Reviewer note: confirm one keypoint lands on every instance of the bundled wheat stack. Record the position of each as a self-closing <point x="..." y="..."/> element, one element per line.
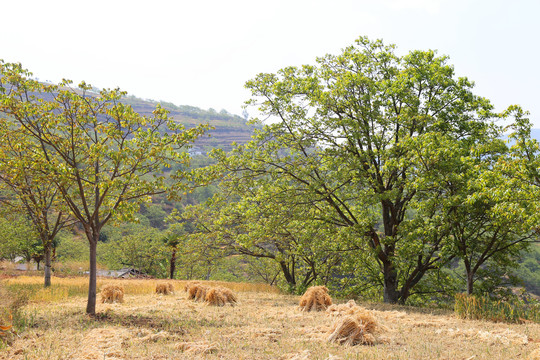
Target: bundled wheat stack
<point x="190" y="284"/>
<point x="111" y="293"/>
<point x="349" y="308"/>
<point x="315" y="298"/>
<point x="164" y="289"/>
<point x="197" y="292"/>
<point x="358" y="328"/>
<point x="220" y="296"/>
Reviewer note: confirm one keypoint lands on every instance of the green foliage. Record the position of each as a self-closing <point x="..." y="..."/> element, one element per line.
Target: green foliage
<point x="259" y="225"/>
<point x="29" y="192"/>
<point x="103" y="158"/>
<point x="155" y="215"/>
<point x="71" y="248"/>
<point x="369" y="144"/>
<point x="529" y="270"/>
<point x="18" y="238"/>
<point x="137" y="246"/>
<point x="513" y="310"/>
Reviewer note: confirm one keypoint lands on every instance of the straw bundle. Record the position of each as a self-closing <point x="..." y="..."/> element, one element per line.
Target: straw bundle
<point x="350" y="308"/>
<point x="220" y="296"/>
<point x="215" y="297"/>
<point x="111" y="293"/>
<point x="165" y="289"/>
<point x="315" y="298"/>
<point x="229" y="295"/>
<point x="197" y="292"/>
<point x="354" y="329"/>
<point x="190" y="284"/>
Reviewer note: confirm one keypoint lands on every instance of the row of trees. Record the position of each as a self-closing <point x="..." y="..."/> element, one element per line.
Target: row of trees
<point x="374" y="173"/>
<point x="379" y="170"/>
<point x="69" y="155"/>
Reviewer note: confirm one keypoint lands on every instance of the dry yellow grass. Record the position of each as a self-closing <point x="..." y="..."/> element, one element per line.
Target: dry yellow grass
<point x="64" y="287"/>
<point x="194" y="348"/>
<point x="262" y="326"/>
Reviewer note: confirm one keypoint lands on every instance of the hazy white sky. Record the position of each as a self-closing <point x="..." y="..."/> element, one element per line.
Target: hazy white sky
<point x="200" y="53"/>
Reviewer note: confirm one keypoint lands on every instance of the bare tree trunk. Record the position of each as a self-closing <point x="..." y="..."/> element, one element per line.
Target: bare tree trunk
<point x="470" y="282"/>
<point x="391" y="294"/>
<point x="92" y="285"/>
<point x="47" y="276"/>
<point x="173" y="264"/>
<point x="289" y="275"/>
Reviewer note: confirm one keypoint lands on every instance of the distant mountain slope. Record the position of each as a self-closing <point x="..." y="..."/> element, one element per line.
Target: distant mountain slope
<point x="228" y="128"/>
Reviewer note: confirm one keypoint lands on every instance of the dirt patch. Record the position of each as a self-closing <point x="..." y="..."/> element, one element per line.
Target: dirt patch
<point x="103" y="343"/>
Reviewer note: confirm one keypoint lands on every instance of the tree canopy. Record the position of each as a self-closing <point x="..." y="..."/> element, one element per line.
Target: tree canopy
<point x="370" y="141"/>
<point x="103" y="158"/>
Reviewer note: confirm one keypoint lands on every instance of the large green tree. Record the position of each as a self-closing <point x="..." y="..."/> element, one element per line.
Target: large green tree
<point x="104" y="158"/>
<point x="342" y="136"/>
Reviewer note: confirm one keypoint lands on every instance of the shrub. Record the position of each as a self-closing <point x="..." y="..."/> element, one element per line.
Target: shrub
<point x="512" y="310"/>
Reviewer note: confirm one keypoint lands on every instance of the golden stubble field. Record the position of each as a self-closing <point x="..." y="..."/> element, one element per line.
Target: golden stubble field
<point x="264" y="325"/>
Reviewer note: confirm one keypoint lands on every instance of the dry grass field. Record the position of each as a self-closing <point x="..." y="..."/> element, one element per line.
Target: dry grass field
<point x="263" y="325"/>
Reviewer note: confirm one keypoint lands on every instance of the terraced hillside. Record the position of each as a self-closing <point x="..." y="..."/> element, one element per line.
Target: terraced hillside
<point x="227" y="128"/>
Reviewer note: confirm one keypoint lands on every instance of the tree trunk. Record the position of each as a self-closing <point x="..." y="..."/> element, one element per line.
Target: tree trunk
<point x="391" y="294"/>
<point x="470" y="282"/>
<point x="390" y="215"/>
<point x="173" y="263"/>
<point x="289" y="277"/>
<point x="92" y="284"/>
<point x="47" y="276"/>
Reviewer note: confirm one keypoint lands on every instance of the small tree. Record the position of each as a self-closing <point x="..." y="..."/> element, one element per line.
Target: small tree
<point x="30" y="194"/>
<point x="172" y="240"/>
<point x="103" y="158"/>
<point x="467" y="192"/>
